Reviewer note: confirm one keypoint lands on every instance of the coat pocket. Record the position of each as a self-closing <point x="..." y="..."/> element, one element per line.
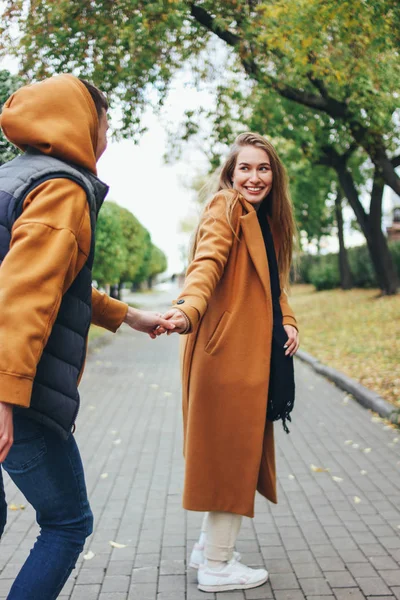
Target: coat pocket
<point x="217" y="337"/>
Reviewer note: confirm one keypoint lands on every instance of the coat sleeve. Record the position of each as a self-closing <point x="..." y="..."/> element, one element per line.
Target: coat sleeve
<point x="287" y="312"/>
<point x="41" y="264"/>
<point x="106" y="311"/>
<point x="214" y="242"/>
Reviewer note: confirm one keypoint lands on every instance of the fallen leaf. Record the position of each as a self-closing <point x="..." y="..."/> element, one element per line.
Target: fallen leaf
<point x="291" y="476"/>
<point x="117" y="442"/>
<point x="367" y="450"/>
<point x="318" y="469"/>
<point x="13" y="507"/>
<point x="117" y="545"/>
<point x="395" y="440"/>
<point x="338" y="479"/>
<point x="363" y="472"/>
<point x="155" y="386"/>
<point x="355" y="445"/>
<point x="113" y="431"/>
<point x="357" y="500"/>
<point x="348" y="442"/>
<point x="167" y="394"/>
<point x="104" y="476"/>
<point x="91" y="407"/>
<point x="89" y="555"/>
<point x="140" y="375"/>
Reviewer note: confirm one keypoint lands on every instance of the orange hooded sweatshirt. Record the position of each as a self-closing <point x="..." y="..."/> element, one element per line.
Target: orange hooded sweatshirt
<point x="50" y="241"/>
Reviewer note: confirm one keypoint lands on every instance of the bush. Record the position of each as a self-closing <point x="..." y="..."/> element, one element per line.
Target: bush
<point x="395" y="250"/>
<point x="323" y="270"/>
<point x="324" y="275"/>
<point x="361" y="267"/>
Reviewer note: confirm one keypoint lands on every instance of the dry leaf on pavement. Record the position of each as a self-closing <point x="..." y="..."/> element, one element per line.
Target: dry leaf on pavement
<point x="318" y="469"/>
<point x="117" y="545"/>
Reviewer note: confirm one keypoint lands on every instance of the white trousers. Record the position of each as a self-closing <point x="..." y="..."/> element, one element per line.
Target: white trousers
<point x="221" y="530"/>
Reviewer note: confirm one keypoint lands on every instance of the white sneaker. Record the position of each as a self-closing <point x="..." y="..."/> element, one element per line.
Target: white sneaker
<point x="232" y="576"/>
<point x="197" y="556"/>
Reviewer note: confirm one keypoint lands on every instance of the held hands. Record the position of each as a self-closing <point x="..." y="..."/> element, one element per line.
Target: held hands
<point x="293" y="342"/>
<point x="175" y="316"/>
<point x="148" y="322"/>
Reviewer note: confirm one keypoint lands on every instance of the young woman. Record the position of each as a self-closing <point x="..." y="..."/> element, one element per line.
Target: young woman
<point x="237" y="364"/>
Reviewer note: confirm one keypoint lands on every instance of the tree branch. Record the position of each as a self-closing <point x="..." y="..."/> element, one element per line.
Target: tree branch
<point x="325" y="104"/>
<point x="396" y="161"/>
<point x="205" y="19"/>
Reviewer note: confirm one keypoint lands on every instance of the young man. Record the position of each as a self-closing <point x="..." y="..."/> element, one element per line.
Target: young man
<point x="49" y="201"/>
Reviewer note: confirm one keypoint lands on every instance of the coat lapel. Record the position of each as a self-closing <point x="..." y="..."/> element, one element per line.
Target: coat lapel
<point x="255" y="245"/>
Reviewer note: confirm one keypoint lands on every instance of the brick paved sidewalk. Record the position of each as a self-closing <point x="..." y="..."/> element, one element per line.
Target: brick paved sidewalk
<point x="334" y="534"/>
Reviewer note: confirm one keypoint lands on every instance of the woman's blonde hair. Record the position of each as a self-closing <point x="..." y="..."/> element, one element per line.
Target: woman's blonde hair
<point x="281" y="211"/>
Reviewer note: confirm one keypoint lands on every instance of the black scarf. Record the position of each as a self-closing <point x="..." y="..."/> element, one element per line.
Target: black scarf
<point x="281" y="380"/>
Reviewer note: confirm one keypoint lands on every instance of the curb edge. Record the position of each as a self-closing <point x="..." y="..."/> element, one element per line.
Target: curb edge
<point x="363" y="395"/>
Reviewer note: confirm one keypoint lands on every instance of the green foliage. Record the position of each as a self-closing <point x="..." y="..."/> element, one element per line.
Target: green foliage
<point x="136" y="239"/>
<point x="158" y="261"/>
<point x="343" y="54"/>
<point x="361" y="267"/>
<point x="324" y="274"/>
<point x="8" y="84"/>
<point x="124" y="250"/>
<point x="323" y="270"/>
<point x="394" y="248"/>
<point x="111" y="253"/>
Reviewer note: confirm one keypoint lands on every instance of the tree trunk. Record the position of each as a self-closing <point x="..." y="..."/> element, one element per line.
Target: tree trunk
<point x="371" y="226"/>
<point x="346" y="277"/>
<point x="385" y="268"/>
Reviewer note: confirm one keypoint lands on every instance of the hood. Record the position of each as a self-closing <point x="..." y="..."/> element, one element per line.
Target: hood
<point x="56" y="116"/>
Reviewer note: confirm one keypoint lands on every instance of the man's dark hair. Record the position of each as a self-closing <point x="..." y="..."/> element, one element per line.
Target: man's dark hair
<point x="99" y="99"/>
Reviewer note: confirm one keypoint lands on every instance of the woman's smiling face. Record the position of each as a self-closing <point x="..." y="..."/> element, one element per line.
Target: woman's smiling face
<point x="252" y="176"/>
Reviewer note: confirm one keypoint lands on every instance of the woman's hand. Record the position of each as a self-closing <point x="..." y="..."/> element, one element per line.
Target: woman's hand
<point x="176" y="317"/>
<point x="293" y="342"/>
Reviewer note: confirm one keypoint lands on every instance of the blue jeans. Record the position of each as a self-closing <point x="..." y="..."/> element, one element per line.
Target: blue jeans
<point x="49" y="472"/>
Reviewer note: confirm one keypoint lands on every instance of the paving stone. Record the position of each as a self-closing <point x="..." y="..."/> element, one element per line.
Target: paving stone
<point x="289" y="595"/>
<point x="373" y="586"/>
<point x="314" y="543"/>
<point x="348" y="594"/>
<point x="284" y="581"/>
<point x="337" y="579"/>
<point x="391" y="578"/>
<point x="315" y="586"/>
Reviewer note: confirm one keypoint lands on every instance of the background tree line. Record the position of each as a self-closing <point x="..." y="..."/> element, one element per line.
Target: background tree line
<point x="124" y="250"/>
<point x="319" y="77"/>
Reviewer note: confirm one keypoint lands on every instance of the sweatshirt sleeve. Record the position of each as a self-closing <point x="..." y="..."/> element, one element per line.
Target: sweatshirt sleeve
<point x="42" y="262"/>
<point x="106" y="311"/>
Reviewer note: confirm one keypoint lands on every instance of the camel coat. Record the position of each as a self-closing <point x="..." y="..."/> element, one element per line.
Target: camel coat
<point x="228" y="443"/>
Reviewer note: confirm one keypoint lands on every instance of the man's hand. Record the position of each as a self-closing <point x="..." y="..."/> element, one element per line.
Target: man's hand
<point x="292" y="345"/>
<point x="6" y="429"/>
<point x="147" y="321"/>
<point x="176" y="317"/>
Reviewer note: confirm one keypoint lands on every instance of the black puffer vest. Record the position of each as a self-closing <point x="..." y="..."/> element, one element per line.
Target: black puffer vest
<point x="55" y="397"/>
